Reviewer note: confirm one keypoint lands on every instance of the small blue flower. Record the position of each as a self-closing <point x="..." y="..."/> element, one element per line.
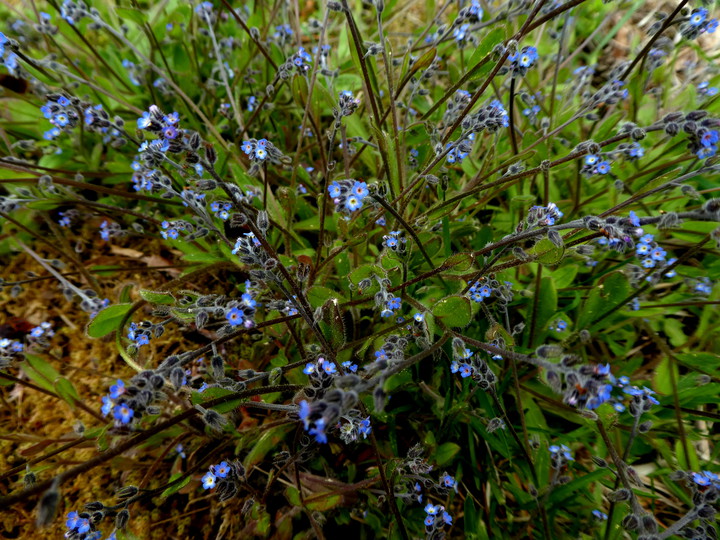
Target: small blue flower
<point x="123" y="413"/>
<point x="116" y="390"/>
<point x="350" y="366"/>
<point x="335" y="190"/>
<point x="309" y="368"/>
<point x="209" y="480"/>
<point x="73" y="520"/>
<point x="329" y="368"/>
<point x="144" y="121"/>
<point x="360" y="189"/>
<point x="599" y="515"/>
<point x="107" y="406"/>
<point x="353" y="203"/>
<point x="319" y="431"/>
<point x="364" y="428"/>
<point x="603" y="167"/>
<point x="698" y="17"/>
<point x="222" y="470"/>
<point x="304" y="413"/>
<point x="465" y="370"/>
<point x="235" y="316"/>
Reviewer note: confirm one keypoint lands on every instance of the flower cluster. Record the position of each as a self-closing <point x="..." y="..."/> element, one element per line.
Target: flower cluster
<point x="110" y="229"/>
<point x="459" y="150"/>
<point x="352" y="426"/>
<point x="642" y="399"/>
<point x="651" y="254"/>
<point x="10" y="349"/>
<point x="79" y="525"/>
<point x="491" y="117"/>
<point x="468" y="364"/>
<point x="321" y="365"/>
<point x="479" y="291"/>
<point x="171" y="229"/>
<point x="543" y="216"/>
<point x="141" y="333"/>
<point x="348" y="195"/>
<point x="436" y="518"/>
<point x="704" y="89"/>
<point x="322" y="414"/>
<point x="395" y="241"/>
<point x="697" y="23"/>
<point x="560" y="456"/>
<point x="701" y="129"/>
<point x="587" y="386"/>
<point x="347" y="104"/>
<point x="594" y="164"/>
<point x="8" y="58"/>
<point x="261" y="150"/>
<point x="241" y="312"/>
<point x="522" y="60"/>
<point x="225" y="478"/>
<point x="61" y="113"/>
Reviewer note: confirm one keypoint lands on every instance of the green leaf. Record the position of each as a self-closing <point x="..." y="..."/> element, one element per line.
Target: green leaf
<point x="178" y="486"/>
<point x="135" y="15"/>
<point x="108" y="320"/>
<point x="213" y="393"/>
<point x="65" y="389"/>
<point x="445" y="453"/>
<point x="547" y="302"/>
<point x="453" y="311"/>
<point x="495" y="36"/>
<point x="547" y="253"/>
<point x="613" y="290"/>
<point x="267" y="442"/>
<point x="157" y="297"/>
<point x="662" y="378"/>
<point x="457" y="264"/>
<point x="40" y="372"/>
<point x="317" y="295"/>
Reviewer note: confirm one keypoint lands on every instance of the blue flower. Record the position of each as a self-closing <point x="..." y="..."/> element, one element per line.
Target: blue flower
<point x="448" y="481"/>
<point x="350" y="366"/>
<point x="73" y="520"/>
<point x="698" y="17"/>
<point x="144" y="121"/>
<point x="360" y="189"/>
<point x="116" y="390"/>
<point x="634" y="220"/>
<point x="561" y="450"/>
<point x="107" y="406"/>
<point x="364" y="428"/>
<point x="603" y="167"/>
<point x="209" y="480"/>
<point x="465" y="370"/>
<point x="123" y="413"/>
<point x="335" y="190"/>
<point x="394" y="303"/>
<point x="304" y="413"/>
<point x="222" y="470"/>
<point x="319" y="431"/>
<point x="329" y="368"/>
<point x="235" y="316"/>
<point x="599" y="515"/>
<point x="260" y="153"/>
<point x="353" y="203"/>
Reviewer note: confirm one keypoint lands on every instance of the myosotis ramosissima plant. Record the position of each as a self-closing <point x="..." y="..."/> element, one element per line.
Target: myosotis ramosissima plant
<point x="449" y="269"/>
